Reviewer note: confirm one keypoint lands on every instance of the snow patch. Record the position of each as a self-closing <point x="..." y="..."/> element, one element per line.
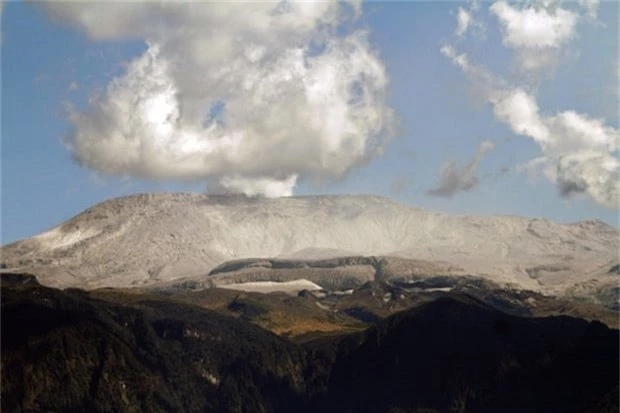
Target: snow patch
<point x="290" y="287"/>
<point x="442" y="289"/>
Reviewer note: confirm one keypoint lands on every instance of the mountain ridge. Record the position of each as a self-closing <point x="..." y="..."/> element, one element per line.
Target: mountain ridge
<point x="155" y="237"/>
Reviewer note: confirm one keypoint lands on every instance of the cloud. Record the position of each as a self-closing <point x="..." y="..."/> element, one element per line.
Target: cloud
<point x="580" y="152"/>
<point x="519" y="110"/>
<point x="588" y="172"/>
<point x="464" y="20"/>
<point x="254" y="186"/>
<point x="536" y="32"/>
<point x="484" y="83"/>
<point x="534" y="27"/>
<point x="454" y="178"/>
<point x="254" y="96"/>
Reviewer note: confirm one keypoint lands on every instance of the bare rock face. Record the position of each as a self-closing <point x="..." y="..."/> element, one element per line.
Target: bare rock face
<point x="342" y="273"/>
<point x="155" y="238"/>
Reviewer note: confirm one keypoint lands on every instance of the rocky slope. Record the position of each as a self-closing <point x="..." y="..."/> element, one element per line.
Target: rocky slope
<point x="333" y="273"/>
<point x="154" y="238"/>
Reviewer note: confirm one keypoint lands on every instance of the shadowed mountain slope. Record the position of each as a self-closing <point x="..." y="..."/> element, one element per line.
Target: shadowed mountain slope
<point x="457" y="354"/>
<point x="73" y="350"/>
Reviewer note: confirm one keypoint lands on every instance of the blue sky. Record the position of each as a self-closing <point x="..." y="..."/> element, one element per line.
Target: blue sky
<point x="54" y="59"/>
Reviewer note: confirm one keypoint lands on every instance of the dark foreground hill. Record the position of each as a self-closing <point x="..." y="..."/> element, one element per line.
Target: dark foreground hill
<point x="457" y="354"/>
<point x="75" y="351"/>
<point x="66" y="351"/>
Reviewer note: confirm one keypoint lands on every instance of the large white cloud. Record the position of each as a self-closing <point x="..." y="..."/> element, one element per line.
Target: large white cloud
<point x="253" y="95"/>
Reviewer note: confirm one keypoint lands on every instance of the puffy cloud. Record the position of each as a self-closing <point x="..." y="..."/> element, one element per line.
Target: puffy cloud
<point x="576" y="131"/>
<point x="519" y="110"/>
<point x="454" y="178"/>
<point x="535" y="27"/>
<point x="254" y="95"/>
<point x="590" y="172"/>
<point x="537" y="33"/>
<point x="563" y="133"/>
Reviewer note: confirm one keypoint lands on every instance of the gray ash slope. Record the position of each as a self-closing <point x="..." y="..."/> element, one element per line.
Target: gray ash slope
<point x="153" y="238"/>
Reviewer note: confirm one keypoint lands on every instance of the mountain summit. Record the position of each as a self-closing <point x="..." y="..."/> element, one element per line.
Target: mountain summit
<point x="152" y="238"/>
